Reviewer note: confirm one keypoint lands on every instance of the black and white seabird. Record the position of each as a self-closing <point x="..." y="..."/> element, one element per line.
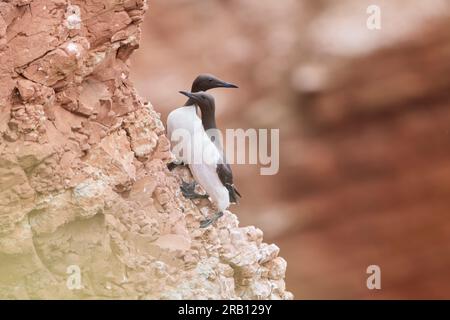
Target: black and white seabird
<point x="203" y="82"/>
<point x="214" y="175"/>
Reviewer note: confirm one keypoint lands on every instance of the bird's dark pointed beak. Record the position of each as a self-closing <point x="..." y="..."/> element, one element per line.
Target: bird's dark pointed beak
<point x="224" y="84"/>
<point x="188" y="94"/>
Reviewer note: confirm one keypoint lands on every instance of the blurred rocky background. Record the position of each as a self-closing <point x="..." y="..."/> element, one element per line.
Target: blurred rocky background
<point x="364" y="124"/>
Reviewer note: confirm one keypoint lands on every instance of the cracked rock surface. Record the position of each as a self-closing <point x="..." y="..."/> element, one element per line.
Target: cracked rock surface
<point x="83" y="180"/>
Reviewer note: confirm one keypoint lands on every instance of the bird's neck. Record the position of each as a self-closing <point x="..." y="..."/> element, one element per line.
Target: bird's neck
<point x="208" y="119"/>
<point x="194" y="89"/>
<point x="189" y="102"/>
<point x="208" y="116"/>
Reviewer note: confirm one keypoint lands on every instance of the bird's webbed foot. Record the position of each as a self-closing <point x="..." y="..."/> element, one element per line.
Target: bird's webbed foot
<point x="188" y="190"/>
<point x="208" y="222"/>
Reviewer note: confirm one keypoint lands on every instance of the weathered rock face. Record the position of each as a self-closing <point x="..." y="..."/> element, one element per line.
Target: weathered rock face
<point x="83" y="181"/>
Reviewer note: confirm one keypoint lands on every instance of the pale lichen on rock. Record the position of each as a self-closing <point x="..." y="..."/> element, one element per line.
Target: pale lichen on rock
<point x="83" y="180"/>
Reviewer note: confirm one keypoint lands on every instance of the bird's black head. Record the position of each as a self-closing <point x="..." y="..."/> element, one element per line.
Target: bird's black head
<point x="205" y="82"/>
<point x="204" y="100"/>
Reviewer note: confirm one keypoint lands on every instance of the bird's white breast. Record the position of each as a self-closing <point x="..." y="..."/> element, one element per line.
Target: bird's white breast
<point x="183" y="125"/>
<point x="183" y="118"/>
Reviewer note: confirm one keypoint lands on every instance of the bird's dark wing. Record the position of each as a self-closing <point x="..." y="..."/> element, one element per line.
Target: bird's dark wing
<point x="225" y="173"/>
<point x="226" y="177"/>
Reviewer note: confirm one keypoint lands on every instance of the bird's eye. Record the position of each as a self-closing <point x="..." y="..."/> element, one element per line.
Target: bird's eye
<point x="209" y="80"/>
<point x="203" y="98"/>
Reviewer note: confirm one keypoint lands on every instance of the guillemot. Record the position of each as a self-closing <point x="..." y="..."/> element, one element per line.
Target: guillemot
<point x="203" y="82"/>
<point x="213" y="173"/>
